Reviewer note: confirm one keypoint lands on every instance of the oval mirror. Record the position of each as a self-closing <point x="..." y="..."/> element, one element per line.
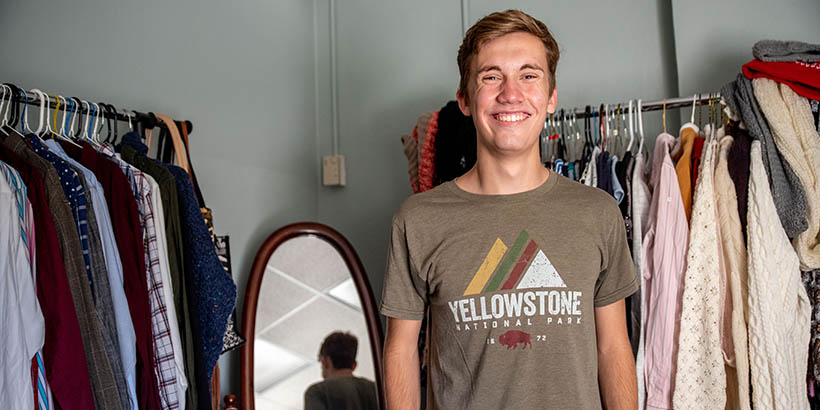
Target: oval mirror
<point x="307" y="283"/>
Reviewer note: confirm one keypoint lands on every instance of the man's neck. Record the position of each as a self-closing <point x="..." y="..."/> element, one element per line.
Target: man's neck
<point x="334" y="373"/>
<point x="494" y="175"/>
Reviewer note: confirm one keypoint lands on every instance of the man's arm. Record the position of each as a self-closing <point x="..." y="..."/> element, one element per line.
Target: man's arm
<point x="401" y="364"/>
<point x="616" y="366"/>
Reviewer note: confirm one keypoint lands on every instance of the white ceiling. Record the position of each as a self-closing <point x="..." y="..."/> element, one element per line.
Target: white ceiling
<point x="306" y="294"/>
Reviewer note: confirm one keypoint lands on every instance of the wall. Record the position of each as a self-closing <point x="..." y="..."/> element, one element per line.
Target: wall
<point x="240" y="71"/>
<point x="254" y="78"/>
<point x="714" y="39"/>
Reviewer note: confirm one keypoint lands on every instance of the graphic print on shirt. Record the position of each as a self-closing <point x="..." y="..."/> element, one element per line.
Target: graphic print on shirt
<point x="540" y="296"/>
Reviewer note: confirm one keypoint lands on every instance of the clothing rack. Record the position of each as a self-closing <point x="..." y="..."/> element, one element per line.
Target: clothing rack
<point x="147" y="120"/>
<point x="669" y="103"/>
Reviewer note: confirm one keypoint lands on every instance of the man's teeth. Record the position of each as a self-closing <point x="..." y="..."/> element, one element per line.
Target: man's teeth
<point x="511" y="117"/>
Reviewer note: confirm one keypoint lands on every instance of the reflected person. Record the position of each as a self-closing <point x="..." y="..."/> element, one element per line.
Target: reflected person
<point x="340" y="390"/>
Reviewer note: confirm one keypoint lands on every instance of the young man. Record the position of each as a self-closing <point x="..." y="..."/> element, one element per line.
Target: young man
<point x="523" y="270"/>
<point x="340" y="390"/>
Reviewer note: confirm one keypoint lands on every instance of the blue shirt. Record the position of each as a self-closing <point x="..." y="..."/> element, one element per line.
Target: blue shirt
<point x="74" y="192"/>
<point x="113" y="263"/>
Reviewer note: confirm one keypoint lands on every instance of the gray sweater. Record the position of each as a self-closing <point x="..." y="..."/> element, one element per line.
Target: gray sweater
<point x="785" y="51"/>
<point x="788" y="193"/>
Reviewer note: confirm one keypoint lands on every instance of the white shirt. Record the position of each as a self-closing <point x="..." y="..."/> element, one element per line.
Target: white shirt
<point x="23" y="324"/>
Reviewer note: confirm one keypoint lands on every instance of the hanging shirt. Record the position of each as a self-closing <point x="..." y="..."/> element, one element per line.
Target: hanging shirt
<point x="734" y="257"/>
<point x="617" y="188"/>
<point x="125" y="327"/>
<point x="106" y="392"/>
<point x="43" y="394"/>
<point x="700" y="380"/>
<point x="664" y="253"/>
<point x="640" y="218"/>
<point x="76" y="193"/>
<point x="683" y="165"/>
<point x="128" y="232"/>
<point x="173" y="242"/>
<point x="23" y="324"/>
<point x="166" y="342"/>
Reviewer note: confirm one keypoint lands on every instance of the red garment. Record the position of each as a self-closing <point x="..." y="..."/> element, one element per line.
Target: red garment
<point x="697" y="153"/>
<point x="427" y="166"/>
<point x="128" y="233"/>
<point x="803" y="78"/>
<point x="63" y="351"/>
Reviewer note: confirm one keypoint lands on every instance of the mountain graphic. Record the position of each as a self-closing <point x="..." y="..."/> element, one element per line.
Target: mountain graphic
<point x="523" y="266"/>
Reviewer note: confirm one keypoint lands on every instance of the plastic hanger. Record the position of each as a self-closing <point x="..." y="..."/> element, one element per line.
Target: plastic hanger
<point x="42" y="110"/>
<point x="631" y="129"/>
<point x="84" y="132"/>
<point x="24" y="127"/>
<point x="640" y="127"/>
<point x="2" y="104"/>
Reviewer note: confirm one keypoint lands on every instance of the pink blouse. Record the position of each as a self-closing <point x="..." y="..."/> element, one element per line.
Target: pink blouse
<point x="664" y="258"/>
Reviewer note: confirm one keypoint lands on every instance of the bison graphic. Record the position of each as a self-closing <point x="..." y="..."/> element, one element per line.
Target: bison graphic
<point x="512" y="338"/>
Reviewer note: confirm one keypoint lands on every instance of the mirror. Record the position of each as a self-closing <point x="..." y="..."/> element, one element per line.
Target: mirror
<point x="308" y="282"/>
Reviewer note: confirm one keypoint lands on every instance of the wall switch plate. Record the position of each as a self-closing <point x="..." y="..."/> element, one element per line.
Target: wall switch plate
<point x="333" y="170"/>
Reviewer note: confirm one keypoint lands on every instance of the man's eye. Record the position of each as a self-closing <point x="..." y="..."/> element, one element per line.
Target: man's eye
<point x="492" y="78"/>
<point x="530" y="76"/>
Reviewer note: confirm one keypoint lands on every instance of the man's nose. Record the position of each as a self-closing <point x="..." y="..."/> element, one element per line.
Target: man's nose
<point x="511" y="93"/>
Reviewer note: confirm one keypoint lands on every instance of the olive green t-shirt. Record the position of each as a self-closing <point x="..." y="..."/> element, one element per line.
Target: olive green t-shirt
<point x="511" y="282"/>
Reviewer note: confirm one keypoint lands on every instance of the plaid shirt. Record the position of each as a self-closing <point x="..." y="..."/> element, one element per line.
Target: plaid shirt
<point x="164" y="362"/>
<point x="43" y="390"/>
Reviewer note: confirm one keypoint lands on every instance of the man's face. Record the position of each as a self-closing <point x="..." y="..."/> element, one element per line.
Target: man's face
<point x="509" y="96"/>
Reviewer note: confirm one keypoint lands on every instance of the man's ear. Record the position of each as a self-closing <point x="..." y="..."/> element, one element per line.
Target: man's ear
<point x="326" y="362"/>
<point x="463" y="104"/>
<point x="552" y="104"/>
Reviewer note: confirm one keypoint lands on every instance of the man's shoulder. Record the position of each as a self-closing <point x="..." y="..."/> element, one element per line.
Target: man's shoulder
<point x="424" y="203"/>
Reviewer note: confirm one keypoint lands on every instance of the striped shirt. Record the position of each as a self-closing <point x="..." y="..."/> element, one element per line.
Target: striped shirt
<point x="164" y="347"/>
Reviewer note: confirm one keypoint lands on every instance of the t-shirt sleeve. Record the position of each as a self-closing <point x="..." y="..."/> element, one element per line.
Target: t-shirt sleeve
<point x="618" y="278"/>
<point x="314" y="399"/>
<point x="404" y="295"/>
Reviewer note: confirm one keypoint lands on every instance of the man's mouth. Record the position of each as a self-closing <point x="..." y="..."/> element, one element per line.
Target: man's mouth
<point x="510" y="117"/>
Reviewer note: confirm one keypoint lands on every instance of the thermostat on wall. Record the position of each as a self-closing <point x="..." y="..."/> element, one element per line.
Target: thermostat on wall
<point x="333" y="170"/>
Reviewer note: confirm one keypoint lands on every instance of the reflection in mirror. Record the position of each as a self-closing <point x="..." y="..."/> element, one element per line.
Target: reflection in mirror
<point x="306" y="294"/>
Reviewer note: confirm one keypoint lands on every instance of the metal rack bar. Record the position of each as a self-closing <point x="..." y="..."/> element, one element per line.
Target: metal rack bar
<point x="677" y="102"/>
<point x="120" y="114"/>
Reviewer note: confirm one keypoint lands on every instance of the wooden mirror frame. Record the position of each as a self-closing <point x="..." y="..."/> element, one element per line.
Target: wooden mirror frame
<point x="357" y="272"/>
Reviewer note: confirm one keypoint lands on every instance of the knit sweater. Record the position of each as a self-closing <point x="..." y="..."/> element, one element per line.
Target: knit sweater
<point x="792" y="125"/>
<point x="774" y="50"/>
<point x="734" y="258"/>
<point x="779" y="309"/>
<point x="788" y="194"/>
<point x="700" y="381"/>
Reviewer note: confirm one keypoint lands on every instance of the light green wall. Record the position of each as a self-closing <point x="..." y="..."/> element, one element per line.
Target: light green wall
<point x="254" y="77"/>
<point x="241" y="71"/>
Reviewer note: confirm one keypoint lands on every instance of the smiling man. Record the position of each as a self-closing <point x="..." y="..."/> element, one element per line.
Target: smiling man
<point x="524" y="271"/>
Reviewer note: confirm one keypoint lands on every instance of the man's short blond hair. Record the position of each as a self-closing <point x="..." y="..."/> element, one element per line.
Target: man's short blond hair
<point x="496" y="25"/>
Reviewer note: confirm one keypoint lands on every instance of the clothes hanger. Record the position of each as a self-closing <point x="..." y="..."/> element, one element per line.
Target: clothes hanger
<point x="23" y="117"/>
<point x="640" y="128"/>
<point x="664" y="115"/>
<point x="631" y="129"/>
<point x="79" y="119"/>
<point x="107" y="115"/>
<point x="3" y="104"/>
<point x="43" y="108"/>
<point x="179" y="147"/>
<point x="98" y="125"/>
